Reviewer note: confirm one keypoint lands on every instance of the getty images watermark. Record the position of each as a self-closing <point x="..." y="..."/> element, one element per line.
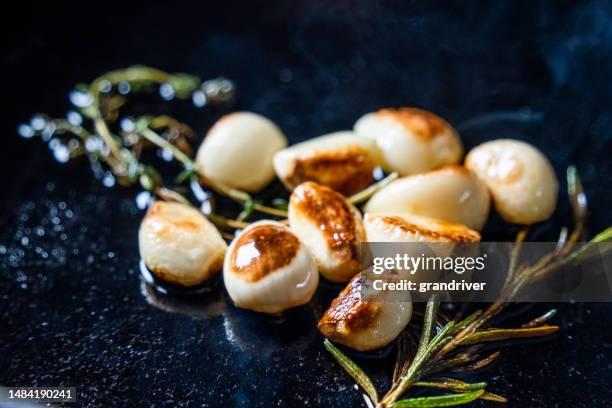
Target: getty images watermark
<point x="478" y="272"/>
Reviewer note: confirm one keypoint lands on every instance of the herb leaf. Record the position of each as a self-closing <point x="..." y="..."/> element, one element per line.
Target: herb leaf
<point x="354" y="371"/>
<point x="505" y="334"/>
<point x="447" y="400"/>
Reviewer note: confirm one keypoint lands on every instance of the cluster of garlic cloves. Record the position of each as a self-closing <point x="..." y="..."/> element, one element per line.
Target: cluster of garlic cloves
<point x="270" y="267"/>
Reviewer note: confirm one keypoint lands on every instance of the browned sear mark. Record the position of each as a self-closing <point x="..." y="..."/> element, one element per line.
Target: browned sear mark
<point x="263" y="250"/>
<point x="330" y="211"/>
<point x="349" y="312"/>
<point x="347" y="171"/>
<point x="448" y="233"/>
<point x="422" y="123"/>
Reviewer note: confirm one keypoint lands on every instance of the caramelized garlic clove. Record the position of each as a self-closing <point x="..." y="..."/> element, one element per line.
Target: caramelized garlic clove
<point x="238" y="151"/>
<point x="422" y="231"/>
<point x="411" y="140"/>
<point x="179" y="245"/>
<point x="520" y="178"/>
<point x="414" y="228"/>
<point x="330" y="227"/>
<point x="340" y="160"/>
<point x="362" y="324"/>
<point x="267" y="269"/>
<point x="452" y="193"/>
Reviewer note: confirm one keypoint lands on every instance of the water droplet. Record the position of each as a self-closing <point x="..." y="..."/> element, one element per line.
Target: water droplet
<point x="166" y="91"/>
<point x="108" y="180"/>
<point x="207" y="207"/>
<point x="165" y="154"/>
<point x="54" y="143"/>
<point x="127" y="125"/>
<point x="25" y="131"/>
<point x="73" y="144"/>
<point x="199" y="99"/>
<point x="61" y="154"/>
<point x="48" y="131"/>
<point x="74" y="118"/>
<point x="105" y="86"/>
<point x="379" y="174"/>
<point x="38" y="122"/>
<point x="124" y="87"/>
<point x="25" y="241"/>
<point x="81" y="99"/>
<point x="91" y="144"/>
<point x="143" y="199"/>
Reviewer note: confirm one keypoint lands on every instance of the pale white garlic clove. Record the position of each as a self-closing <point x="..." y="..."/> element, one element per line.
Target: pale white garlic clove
<point x="179" y="245"/>
<point x="340" y="160"/>
<point x="330" y="227"/>
<point x="411" y="140"/>
<point x="267" y="269"/>
<point x="520" y="178"/>
<point x="364" y="323"/>
<point x="452" y="193"/>
<point x="414" y="228"/>
<point x="238" y="151"/>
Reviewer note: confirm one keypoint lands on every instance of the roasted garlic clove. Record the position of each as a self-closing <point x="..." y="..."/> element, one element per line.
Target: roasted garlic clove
<point x="452" y="193"/>
<point x="179" y="245"/>
<point x="341" y="160"/>
<point x="414" y="228"/>
<point x="363" y="323"/>
<point x="268" y="270"/>
<point x="330" y="227"/>
<point x="411" y="140"/>
<point x="520" y="178"/>
<point x="238" y="151"/>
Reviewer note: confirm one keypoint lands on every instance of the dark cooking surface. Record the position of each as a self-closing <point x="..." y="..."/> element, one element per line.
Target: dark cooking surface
<point x="73" y="310"/>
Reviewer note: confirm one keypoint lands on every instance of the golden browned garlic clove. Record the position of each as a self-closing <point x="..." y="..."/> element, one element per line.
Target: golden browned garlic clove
<point x="520" y="178"/>
<point x="267" y="269"/>
<point x="238" y="151"/>
<point x="330" y="227"/>
<point x="361" y="323"/>
<point x="341" y="160"/>
<point x="179" y="245"/>
<point x="452" y="193"/>
<point x="414" y="228"/>
<point x="411" y="140"/>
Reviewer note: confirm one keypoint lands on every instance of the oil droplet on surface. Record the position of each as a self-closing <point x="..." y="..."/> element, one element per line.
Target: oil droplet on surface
<point x="199" y="99"/>
<point x="25" y="131"/>
<point x="166" y="91"/>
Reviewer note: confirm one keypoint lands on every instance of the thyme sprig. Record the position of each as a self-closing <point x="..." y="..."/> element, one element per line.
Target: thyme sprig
<point x="114" y="149"/>
<point x="456" y="345"/>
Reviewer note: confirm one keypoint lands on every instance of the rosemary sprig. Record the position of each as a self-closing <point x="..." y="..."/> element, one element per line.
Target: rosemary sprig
<point x="455" y="346"/>
<point x="354" y="371"/>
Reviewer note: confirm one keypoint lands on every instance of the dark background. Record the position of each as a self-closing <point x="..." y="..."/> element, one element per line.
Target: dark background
<point x="73" y="311"/>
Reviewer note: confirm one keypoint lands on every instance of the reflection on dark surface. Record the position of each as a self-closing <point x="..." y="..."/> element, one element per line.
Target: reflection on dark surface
<point x="73" y="308"/>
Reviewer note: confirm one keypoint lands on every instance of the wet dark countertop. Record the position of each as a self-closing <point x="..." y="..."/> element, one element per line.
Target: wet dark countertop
<point x="73" y="308"/>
